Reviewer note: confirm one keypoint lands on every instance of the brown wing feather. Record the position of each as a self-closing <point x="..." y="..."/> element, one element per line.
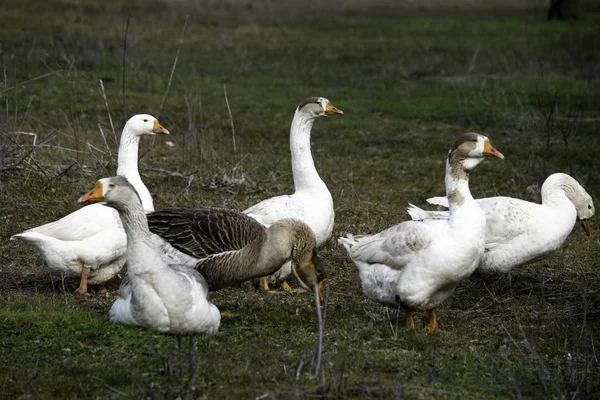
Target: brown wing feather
<point x="202" y="232"/>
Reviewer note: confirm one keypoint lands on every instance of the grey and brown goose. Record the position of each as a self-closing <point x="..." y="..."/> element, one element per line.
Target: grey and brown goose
<point x="230" y="247"/>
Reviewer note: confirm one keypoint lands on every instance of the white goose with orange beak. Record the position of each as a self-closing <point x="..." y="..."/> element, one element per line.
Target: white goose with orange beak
<point x="417" y="264"/>
<point x="311" y="202"/>
<point x="91" y="242"/>
<point x="520" y="232"/>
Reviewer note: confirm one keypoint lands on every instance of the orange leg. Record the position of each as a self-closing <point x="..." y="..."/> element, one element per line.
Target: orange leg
<point x="322" y="289"/>
<point x="408" y="320"/>
<point x="227" y="314"/>
<point x="432" y="326"/>
<point x="82" y="289"/>
<point x="264" y="286"/>
<point x="285" y="286"/>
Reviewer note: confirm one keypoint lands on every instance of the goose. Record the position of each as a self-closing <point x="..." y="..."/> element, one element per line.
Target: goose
<point x="228" y="247"/>
<point x="311" y="202"/>
<point x="417" y="264"/>
<point x="159" y="292"/>
<point x="91" y="242"/>
<point x="519" y="232"/>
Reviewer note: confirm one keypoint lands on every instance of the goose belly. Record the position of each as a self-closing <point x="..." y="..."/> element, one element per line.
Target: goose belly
<point x="106" y="272"/>
<point x="104" y="263"/>
<point x="146" y="306"/>
<point x="379" y="282"/>
<point x="389" y="287"/>
<point x="430" y="278"/>
<point x="104" y="250"/>
<point x="525" y="250"/>
<point x="167" y="301"/>
<point x="323" y="228"/>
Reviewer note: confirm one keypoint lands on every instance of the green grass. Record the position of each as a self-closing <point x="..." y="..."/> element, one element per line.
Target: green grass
<point x="409" y="79"/>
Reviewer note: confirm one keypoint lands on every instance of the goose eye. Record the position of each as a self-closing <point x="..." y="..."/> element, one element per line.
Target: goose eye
<point x="589" y="206"/>
<point x="145" y="120"/>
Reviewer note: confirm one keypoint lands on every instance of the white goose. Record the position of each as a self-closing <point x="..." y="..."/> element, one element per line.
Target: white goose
<point x="311" y="203"/>
<point x="520" y="232"/>
<point x="417" y="264"/>
<point x="159" y="293"/>
<point x="91" y="242"/>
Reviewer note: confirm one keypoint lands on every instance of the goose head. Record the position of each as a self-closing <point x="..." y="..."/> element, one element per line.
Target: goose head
<point x="585" y="208"/>
<point x="469" y="150"/>
<point x="558" y="185"/>
<point x="306" y="264"/>
<point x="314" y="107"/>
<point x="144" y="124"/>
<point x="117" y="192"/>
<point x="308" y="270"/>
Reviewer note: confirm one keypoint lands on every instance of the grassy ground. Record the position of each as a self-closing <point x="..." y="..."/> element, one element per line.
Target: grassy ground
<point x="409" y="79"/>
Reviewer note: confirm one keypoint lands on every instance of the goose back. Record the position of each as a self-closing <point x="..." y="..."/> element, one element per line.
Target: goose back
<point x="201" y="232"/>
<point x="226" y="243"/>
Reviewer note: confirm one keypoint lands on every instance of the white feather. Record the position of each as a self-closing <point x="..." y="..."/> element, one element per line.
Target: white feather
<point x="520" y="232"/>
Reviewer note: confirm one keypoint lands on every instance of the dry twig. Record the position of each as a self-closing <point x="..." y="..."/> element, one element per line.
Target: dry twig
<point x="230" y="120"/>
<point x="108" y="110"/>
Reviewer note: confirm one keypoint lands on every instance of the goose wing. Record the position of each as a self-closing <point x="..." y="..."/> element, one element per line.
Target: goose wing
<point x="201" y="232"/>
<point x="398" y="245"/>
<point x="508" y="219"/>
<point x="78" y="225"/>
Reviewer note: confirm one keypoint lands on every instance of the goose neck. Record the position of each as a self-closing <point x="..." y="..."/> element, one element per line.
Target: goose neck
<point x="127" y="161"/>
<point x="558" y="189"/>
<point x="276" y="250"/>
<point x="134" y="222"/>
<point x="127" y="166"/>
<point x="305" y="174"/>
<point x="457" y="186"/>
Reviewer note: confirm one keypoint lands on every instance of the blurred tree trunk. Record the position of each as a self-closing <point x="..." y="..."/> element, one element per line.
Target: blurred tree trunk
<point x="563" y="9"/>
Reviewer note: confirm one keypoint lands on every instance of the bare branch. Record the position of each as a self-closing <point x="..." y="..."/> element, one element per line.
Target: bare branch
<point x="28" y="155"/>
<point x="27" y="81"/>
<point x="230" y="120"/>
<point x="105" y="141"/>
<point x="108" y="110"/>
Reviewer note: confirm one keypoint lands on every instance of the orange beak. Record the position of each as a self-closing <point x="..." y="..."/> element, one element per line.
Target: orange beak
<point x="158" y="128"/>
<point x="93" y="196"/>
<point x="331" y="110"/>
<point x="322" y="289"/>
<point x="489" y="150"/>
<point x="587" y="227"/>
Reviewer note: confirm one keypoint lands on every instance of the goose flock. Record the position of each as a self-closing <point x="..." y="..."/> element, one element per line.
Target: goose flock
<point x="175" y="257"/>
